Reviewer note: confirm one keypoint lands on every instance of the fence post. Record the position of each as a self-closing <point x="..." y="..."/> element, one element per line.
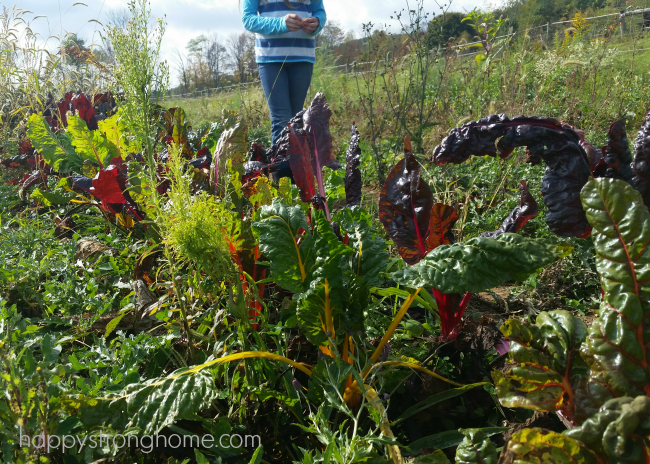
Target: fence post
<point x="547" y="32"/>
<point x="623" y="24"/>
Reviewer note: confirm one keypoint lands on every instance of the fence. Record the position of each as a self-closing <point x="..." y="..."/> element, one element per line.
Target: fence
<point x="207" y="93"/>
<point x="625" y="22"/>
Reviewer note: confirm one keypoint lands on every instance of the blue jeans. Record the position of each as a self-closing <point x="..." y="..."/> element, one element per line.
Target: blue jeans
<point x="285" y="88"/>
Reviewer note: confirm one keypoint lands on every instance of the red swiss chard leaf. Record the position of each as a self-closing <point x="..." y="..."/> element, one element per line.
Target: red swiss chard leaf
<point x="64" y="106"/>
<point x="641" y="164"/>
<point x="25" y="147"/>
<point x="35" y="177"/>
<point x="317" y="126"/>
<point x="617" y="155"/>
<point x="296" y="149"/>
<point x="557" y="144"/>
<point x="405" y="207"/>
<point x="443" y="219"/>
<point x="594" y="156"/>
<point x="353" y="182"/>
<point x="523" y="212"/>
<point x="84" y="108"/>
<point x="258" y="153"/>
<point x="316" y="122"/>
<point x="109" y="185"/>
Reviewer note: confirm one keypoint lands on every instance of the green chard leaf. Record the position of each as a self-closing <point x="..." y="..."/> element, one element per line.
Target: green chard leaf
<point x="92" y="146"/>
<point x="620" y="430"/>
<point x="56" y="150"/>
<point x="154" y="406"/>
<point x="617" y="346"/>
<point x="50" y="198"/>
<point x="480" y="263"/>
<point x="116" y="133"/>
<point x="548" y="368"/>
<point x="539" y="446"/>
<point x="321" y="309"/>
<point x="331" y="254"/>
<point x="370" y="256"/>
<point x="291" y="255"/>
<point x="315" y="310"/>
<point x="476" y="448"/>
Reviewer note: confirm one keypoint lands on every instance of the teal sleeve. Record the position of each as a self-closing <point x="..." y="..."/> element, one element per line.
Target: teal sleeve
<point x="265" y="26"/>
<point x="318" y="10"/>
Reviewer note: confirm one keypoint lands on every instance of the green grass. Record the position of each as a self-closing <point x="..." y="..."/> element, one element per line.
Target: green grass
<point x="568" y="82"/>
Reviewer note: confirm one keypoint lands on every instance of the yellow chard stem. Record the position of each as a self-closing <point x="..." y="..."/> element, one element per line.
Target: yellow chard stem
<point x="391" y="330"/>
<point x="412" y="366"/>
<point x="247" y="355"/>
<point x="374" y="402"/>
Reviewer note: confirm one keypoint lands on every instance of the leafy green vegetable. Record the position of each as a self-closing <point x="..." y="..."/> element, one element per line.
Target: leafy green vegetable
<point x="620" y="430"/>
<point x="370" y="254"/>
<point x="117" y="134"/>
<point x="548" y="364"/>
<point x="476" y="448"/>
<point x="286" y="241"/>
<point x="154" y="406"/>
<point x="50" y="198"/>
<point x="57" y="151"/>
<point x="92" y="146"/>
<point x="405" y="206"/>
<point x="317" y="312"/>
<point x="539" y="446"/>
<point x="617" y="346"/>
<point x="480" y="263"/>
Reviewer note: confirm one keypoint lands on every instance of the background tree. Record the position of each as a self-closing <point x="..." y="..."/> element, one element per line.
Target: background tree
<point x="332" y="35"/>
<point x="349" y="49"/>
<point x="216" y="58"/>
<point x="199" y="70"/>
<point x="251" y="60"/>
<point x="448" y="26"/>
<point x="118" y="17"/>
<point x="180" y="62"/>
<point x="238" y="46"/>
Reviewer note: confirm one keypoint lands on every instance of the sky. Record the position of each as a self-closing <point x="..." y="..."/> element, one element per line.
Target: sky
<point x="187" y="19"/>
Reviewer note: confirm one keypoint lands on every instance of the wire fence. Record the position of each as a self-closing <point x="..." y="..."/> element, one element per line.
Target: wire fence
<point x="624" y="23"/>
<point x="207" y="93"/>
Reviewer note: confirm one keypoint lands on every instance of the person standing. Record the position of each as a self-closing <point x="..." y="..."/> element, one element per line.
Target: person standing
<point x="285" y="51"/>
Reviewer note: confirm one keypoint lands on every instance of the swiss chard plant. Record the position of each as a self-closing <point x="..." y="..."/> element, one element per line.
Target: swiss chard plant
<point x="422" y="233"/>
<point x="595" y="378"/>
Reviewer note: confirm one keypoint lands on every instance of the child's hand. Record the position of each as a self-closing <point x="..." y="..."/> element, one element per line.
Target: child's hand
<point x="310" y="25"/>
<point x="294" y="22"/>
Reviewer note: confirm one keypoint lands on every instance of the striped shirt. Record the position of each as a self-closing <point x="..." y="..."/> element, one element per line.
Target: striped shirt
<point x="274" y="43"/>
